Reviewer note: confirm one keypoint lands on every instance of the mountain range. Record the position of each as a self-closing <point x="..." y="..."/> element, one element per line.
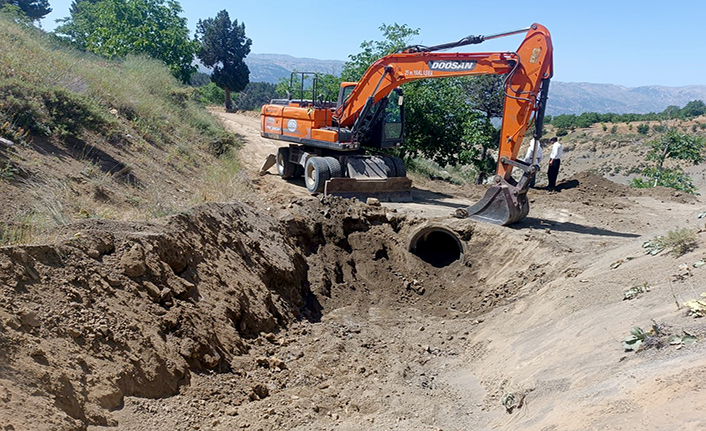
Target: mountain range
<point x="564" y="97"/>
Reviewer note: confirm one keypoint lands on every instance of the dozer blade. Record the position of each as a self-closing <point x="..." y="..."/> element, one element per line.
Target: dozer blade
<point x="394" y="189"/>
<point x="503" y="204"/>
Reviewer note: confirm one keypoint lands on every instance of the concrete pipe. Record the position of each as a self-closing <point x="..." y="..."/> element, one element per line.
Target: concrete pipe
<point x="436" y="245"/>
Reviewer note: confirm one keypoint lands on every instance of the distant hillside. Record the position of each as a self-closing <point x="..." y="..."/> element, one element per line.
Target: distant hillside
<point x="564" y="97"/>
<point x="578" y="97"/>
<point x="272" y="67"/>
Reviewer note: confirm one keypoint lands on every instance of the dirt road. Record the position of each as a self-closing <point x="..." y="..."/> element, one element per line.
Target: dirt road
<point x="302" y="314"/>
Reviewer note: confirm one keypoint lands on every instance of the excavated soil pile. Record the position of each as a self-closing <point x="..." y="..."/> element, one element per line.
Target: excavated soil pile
<point x="121" y="309"/>
<point x="125" y="309"/>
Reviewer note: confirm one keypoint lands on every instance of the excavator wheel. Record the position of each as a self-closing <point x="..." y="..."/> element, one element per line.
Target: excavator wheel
<point x="400" y="170"/>
<point x="285" y="168"/>
<point x="316" y="173"/>
<point x="334" y="167"/>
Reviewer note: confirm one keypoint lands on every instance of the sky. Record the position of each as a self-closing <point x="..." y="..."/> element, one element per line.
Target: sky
<point x="630" y="43"/>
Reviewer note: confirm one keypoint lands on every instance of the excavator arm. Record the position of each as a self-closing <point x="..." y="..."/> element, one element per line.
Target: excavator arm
<point x="527" y="70"/>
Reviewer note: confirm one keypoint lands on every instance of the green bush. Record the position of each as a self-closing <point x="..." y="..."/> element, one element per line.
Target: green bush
<point x="210" y="94"/>
<point x="643" y="128"/>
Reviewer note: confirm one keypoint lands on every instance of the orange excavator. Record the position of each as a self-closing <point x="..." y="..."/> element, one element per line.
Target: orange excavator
<point x="327" y="141"/>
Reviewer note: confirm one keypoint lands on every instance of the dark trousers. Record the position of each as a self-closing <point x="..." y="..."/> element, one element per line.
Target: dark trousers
<point x="553" y="172"/>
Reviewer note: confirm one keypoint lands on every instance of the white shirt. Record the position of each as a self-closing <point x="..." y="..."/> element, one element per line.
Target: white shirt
<point x="557" y="151"/>
<point x="528" y="156"/>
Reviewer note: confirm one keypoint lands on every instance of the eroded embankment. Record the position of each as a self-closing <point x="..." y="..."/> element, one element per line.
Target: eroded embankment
<point x="131" y="310"/>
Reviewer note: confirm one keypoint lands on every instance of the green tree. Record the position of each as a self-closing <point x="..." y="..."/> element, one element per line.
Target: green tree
<point x="116" y="28"/>
<point x="255" y="95"/>
<point x="395" y="36"/>
<point x="693" y="109"/>
<point x="34" y="9"/>
<point x="443" y="126"/>
<point x="224" y="46"/>
<point x="673" y="145"/>
<point x="486" y="95"/>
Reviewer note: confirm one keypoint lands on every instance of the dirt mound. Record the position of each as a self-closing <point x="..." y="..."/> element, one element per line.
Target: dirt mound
<point x="587" y="183"/>
<point x="127" y="309"/>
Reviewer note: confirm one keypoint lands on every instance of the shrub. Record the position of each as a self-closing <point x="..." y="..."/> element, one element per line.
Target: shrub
<point x="643" y="129"/>
<point x="678" y="241"/>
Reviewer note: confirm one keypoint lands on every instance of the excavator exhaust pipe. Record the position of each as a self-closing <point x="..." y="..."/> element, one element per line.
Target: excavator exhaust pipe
<point x="503" y="204"/>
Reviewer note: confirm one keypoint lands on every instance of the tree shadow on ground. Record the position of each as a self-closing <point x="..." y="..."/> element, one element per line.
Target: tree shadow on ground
<point x="535" y="223"/>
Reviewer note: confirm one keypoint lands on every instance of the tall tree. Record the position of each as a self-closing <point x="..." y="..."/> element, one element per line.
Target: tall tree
<point x="34" y="9"/>
<point x="224" y="46"/>
<point x="115" y="28"/>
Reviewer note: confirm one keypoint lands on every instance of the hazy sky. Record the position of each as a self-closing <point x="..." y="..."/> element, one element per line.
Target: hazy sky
<point x="631" y="43"/>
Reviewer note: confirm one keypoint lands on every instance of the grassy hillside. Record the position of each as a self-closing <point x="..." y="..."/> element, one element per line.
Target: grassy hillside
<point x="89" y="138"/>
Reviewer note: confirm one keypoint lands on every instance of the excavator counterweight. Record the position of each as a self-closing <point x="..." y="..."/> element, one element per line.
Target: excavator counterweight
<point x="338" y="147"/>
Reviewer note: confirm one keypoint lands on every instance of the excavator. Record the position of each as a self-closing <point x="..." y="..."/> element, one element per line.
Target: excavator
<point x="338" y="146"/>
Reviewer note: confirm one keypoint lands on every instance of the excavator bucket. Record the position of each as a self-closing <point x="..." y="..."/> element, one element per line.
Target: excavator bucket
<point x="503" y="204"/>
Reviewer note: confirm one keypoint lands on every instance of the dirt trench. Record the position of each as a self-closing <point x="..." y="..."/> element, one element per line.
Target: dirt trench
<point x="137" y="310"/>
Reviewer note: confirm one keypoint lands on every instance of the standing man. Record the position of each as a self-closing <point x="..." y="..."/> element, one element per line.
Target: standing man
<point x="533" y="157"/>
<point x="554" y="162"/>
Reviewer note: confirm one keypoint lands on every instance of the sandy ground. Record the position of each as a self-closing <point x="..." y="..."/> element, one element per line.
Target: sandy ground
<point x="296" y="313"/>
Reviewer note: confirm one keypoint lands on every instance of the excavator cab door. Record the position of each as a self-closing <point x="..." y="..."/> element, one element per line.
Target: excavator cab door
<point x="389" y="124"/>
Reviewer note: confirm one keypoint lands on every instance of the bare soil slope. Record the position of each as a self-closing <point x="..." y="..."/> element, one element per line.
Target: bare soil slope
<point x="299" y="313"/>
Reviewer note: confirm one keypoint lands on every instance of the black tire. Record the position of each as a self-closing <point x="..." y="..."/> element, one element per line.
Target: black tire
<point x="285" y="168"/>
<point x="316" y="173"/>
<point x="334" y="167"/>
<point x="400" y="170"/>
<point x="389" y="166"/>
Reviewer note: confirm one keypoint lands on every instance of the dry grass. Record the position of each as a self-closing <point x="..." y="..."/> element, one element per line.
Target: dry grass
<point x="100" y="139"/>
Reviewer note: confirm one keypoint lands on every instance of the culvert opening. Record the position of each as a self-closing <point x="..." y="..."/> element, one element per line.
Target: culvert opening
<point x="437" y="246"/>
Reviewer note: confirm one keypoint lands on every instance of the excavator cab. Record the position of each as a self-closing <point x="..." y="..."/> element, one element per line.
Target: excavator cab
<point x="388" y="127"/>
<point x="385" y="118"/>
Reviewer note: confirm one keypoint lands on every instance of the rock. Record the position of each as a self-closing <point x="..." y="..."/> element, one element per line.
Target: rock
<point x="93" y="253"/>
<point x="133" y="262"/>
<point x="277" y="363"/>
<point x="113" y="280"/>
<point x="73" y="332"/>
<point x="152" y="290"/>
<point x="261" y="391"/>
<point x="374" y="202"/>
<point x="29" y="318"/>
